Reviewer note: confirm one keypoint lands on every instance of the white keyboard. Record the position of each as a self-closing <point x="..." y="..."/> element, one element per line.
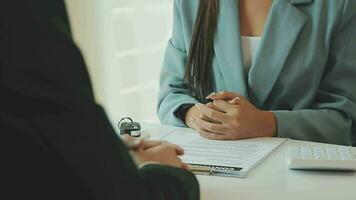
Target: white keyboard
<point x="321" y="158"/>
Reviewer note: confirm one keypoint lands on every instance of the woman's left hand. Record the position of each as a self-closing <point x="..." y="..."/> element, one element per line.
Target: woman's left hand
<point x="234" y="119"/>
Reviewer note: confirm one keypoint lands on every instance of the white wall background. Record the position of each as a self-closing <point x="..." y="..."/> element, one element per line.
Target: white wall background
<point x="123" y="42"/>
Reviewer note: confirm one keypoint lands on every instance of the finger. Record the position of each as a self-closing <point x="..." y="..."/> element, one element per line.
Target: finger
<point x="211" y="105"/>
<point x="206" y="118"/>
<point x="223" y="95"/>
<point x="211" y="127"/>
<point x="212" y="136"/>
<point x="126" y="138"/>
<point x="212" y="113"/>
<point x="181" y="164"/>
<point x="237" y="101"/>
<point x="223" y="105"/>
<point x="193" y="124"/>
<point x="196" y="126"/>
<point x="178" y="149"/>
<point x="185" y="166"/>
<point x="131" y="142"/>
<point x="151" y="143"/>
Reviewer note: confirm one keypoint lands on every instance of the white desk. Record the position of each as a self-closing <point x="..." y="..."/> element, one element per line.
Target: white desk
<point x="273" y="180"/>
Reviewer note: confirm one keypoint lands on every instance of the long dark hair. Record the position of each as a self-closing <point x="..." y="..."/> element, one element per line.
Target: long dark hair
<point x="198" y="71"/>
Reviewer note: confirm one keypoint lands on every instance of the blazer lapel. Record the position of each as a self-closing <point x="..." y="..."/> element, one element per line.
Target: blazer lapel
<point x="228" y="49"/>
<point x="281" y="32"/>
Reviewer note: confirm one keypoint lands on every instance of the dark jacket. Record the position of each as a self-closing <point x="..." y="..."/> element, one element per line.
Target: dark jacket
<point x="56" y="142"/>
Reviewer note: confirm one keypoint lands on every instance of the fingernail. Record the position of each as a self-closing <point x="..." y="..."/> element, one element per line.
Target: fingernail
<point x="137" y="142"/>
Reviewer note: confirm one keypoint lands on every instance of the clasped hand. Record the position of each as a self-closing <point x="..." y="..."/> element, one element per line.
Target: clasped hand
<point x="159" y="152"/>
<point x="230" y="117"/>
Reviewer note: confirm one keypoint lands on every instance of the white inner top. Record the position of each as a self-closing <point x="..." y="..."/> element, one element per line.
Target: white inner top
<point x="250" y="47"/>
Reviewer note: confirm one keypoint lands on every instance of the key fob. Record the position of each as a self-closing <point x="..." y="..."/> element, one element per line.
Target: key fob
<point x="131" y="128"/>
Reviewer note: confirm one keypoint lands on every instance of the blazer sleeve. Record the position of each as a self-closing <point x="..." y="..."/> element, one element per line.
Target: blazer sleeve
<point x="172" y="93"/>
<point x="332" y="116"/>
<point x="85" y="141"/>
<point x="44" y="81"/>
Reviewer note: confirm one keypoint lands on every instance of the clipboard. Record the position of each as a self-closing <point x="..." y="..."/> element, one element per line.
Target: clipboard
<point x="234" y="158"/>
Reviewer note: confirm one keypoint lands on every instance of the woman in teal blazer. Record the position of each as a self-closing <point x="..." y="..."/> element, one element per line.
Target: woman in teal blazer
<point x="302" y="84"/>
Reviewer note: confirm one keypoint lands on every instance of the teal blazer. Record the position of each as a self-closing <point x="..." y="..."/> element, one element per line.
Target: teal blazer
<point x="305" y="70"/>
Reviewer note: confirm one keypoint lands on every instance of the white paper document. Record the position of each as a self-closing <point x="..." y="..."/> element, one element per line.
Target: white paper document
<point x="225" y="158"/>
